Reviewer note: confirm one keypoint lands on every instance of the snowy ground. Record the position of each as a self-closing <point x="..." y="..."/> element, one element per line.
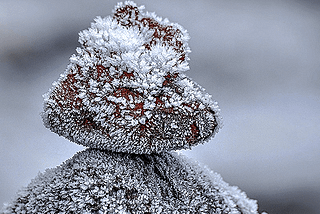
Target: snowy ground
<point x="259" y="59"/>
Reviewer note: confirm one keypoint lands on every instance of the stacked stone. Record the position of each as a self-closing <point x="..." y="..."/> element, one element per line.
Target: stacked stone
<point x="124" y="95"/>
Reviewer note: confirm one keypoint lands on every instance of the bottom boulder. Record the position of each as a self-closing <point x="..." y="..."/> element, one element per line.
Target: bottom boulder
<point x="95" y="181"/>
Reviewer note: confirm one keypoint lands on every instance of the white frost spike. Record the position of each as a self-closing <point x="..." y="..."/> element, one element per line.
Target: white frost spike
<point x="131" y="65"/>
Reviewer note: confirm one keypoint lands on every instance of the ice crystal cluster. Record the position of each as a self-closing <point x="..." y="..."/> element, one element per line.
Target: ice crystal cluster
<point x="125" y="90"/>
<point x="125" y="95"/>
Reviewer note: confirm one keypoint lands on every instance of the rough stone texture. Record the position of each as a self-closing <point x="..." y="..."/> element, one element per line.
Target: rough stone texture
<point x="95" y="181"/>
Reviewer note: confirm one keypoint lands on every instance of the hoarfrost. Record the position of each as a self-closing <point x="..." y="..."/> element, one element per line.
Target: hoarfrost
<point x="96" y="181"/>
<point x="131" y="65"/>
<point x="125" y="95"/>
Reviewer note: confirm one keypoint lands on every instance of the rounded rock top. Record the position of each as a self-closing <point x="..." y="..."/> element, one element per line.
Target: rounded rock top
<point x="125" y="89"/>
<point x="96" y="181"/>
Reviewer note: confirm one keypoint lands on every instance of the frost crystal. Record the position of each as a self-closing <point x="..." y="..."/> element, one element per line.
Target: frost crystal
<point x="125" y="89"/>
<point x="125" y="95"/>
<point x="96" y="181"/>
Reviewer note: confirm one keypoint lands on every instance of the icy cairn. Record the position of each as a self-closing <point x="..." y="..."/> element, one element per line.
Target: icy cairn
<point x="126" y="97"/>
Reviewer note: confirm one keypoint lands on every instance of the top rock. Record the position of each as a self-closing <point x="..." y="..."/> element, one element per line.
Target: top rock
<point x="125" y="90"/>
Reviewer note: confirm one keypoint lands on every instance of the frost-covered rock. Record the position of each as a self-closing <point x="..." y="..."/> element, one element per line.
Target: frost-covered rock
<point x="125" y="95"/>
<point x="125" y="89"/>
<point x="96" y="181"/>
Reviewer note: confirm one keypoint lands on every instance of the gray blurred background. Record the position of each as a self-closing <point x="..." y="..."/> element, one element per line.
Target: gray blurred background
<point x="259" y="59"/>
